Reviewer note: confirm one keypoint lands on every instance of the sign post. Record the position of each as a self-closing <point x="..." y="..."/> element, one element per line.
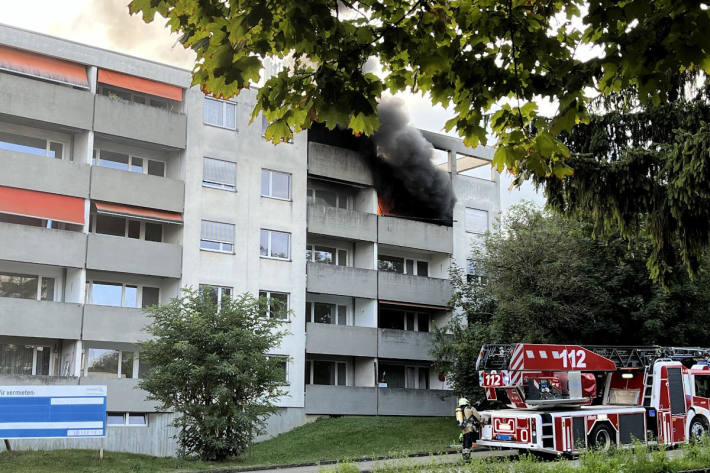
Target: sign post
<point x="61" y="411"/>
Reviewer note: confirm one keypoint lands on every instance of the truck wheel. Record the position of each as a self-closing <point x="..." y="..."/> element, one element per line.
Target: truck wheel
<point x="698" y="429"/>
<point x="602" y="438"/>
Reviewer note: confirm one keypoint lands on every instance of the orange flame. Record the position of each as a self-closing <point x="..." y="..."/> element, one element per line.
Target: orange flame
<point x="382" y="207"/>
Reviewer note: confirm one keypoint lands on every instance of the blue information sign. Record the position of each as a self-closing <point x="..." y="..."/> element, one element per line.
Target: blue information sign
<point x="52" y="411"/>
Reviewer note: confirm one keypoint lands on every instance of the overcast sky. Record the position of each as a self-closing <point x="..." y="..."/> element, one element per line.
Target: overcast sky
<point x="107" y="24"/>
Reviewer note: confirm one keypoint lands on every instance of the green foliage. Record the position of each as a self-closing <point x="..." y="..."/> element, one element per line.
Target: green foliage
<point x="209" y="365"/>
<point x="473" y="56"/>
<point x="549" y="280"/>
<point x="644" y="170"/>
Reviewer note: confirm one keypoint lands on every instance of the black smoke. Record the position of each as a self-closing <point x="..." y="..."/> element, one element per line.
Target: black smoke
<point x="407" y="182"/>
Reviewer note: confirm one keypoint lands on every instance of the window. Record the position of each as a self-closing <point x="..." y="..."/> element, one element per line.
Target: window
<point x="220" y="113"/>
<point x="276" y="304"/>
<point x="219" y="174"/>
<point x="476" y="221"/>
<point x="281" y="363"/>
<point x="216" y="293"/>
<point x="400" y="265"/>
<point x="329" y="197"/>
<point x="110" y="362"/>
<point x="127" y="419"/>
<point x="275" y="244"/>
<point x="473" y="274"/>
<point x="332" y="373"/>
<point x="120" y="294"/>
<point x="327" y="255"/>
<point x="17" y="359"/>
<point x="31" y="145"/>
<point x="702" y="385"/>
<point x="404" y="320"/>
<point x="24" y="286"/>
<point x="124" y="227"/>
<point x="217" y="236"/>
<point x="402" y="376"/>
<point x="275" y="184"/>
<point x="127" y="162"/>
<point x="326" y="313"/>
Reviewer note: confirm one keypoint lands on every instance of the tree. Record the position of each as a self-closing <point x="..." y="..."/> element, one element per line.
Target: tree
<point x="209" y="365"/>
<point x="489" y="61"/>
<point x="549" y="280"/>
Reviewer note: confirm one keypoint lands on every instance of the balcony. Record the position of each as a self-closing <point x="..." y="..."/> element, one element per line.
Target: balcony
<point x="338" y="163"/>
<point x="44" y="174"/>
<point x="42" y="101"/>
<point x="114" y="324"/>
<point x="123" y="395"/>
<point x="141" y="190"/>
<point x="346" y="340"/>
<point x="29" y="318"/>
<point x="415" y="402"/>
<point x="341" y="400"/>
<point x="42" y="245"/>
<point x="415" y="234"/>
<point x="140" y="122"/>
<point x="341" y="280"/>
<point x="414" y="289"/>
<point x="404" y="344"/>
<point x="126" y="255"/>
<point x="342" y="223"/>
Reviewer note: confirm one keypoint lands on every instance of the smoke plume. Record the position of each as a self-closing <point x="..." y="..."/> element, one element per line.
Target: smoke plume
<point x="407" y="182"/>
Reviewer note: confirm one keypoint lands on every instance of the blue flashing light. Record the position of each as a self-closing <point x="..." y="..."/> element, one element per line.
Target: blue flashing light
<point x="652" y="412"/>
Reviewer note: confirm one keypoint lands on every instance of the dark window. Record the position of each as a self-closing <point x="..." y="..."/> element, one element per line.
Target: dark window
<point x="390" y="263"/>
<point x="134" y="229"/>
<point x="422" y="268"/>
<point x="702" y="386"/>
<point x="110" y="225"/>
<point x="151" y="296"/>
<point x="153" y="231"/>
<point x="423" y="323"/>
<point x="156" y="168"/>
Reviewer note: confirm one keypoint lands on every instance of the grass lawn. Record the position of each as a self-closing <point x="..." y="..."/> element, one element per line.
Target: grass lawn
<point x="325" y="439"/>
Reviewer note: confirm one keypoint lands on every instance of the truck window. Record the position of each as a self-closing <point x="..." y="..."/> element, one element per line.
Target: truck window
<point x="702" y="385"/>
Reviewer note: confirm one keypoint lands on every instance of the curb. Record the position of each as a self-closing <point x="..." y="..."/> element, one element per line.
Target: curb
<point x="243" y="469"/>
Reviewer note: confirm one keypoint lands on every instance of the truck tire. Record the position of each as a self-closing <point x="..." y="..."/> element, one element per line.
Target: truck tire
<point x="602" y="437"/>
<point x="698" y="429"/>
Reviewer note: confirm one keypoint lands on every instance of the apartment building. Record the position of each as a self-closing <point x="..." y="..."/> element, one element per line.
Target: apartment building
<point x="120" y="184"/>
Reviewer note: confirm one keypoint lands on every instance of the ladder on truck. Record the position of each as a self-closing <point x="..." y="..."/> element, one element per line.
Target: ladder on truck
<point x="497" y="356"/>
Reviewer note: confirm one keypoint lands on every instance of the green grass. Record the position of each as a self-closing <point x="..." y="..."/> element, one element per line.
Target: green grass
<point x="355" y="437"/>
<point x="325" y="439"/>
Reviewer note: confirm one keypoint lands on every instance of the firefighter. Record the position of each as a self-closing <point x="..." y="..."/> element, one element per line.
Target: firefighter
<point x="469" y="421"/>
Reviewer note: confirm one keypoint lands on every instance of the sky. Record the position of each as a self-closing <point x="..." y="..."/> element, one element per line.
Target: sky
<point x="107" y="24"/>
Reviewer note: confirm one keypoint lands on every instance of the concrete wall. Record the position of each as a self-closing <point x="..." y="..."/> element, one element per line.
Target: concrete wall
<point x="340" y="400"/>
<point x="42" y="245"/>
<point x="57" y="176"/>
<point x="345" y="340"/>
<point x="404" y="344"/>
<point x="287" y="418"/>
<point x="342" y="223"/>
<point x="415" y="402"/>
<point x="28" y="318"/>
<point x="417" y="289"/>
<point x="364" y="372"/>
<point x="142" y="190"/>
<point x="341" y="280"/>
<point x="139" y="122"/>
<point x="365" y="255"/>
<point x="117" y="324"/>
<point x="127" y="255"/>
<point x="365" y="314"/>
<point x="338" y="163"/>
<point x="414" y="234"/>
<point x="37" y="100"/>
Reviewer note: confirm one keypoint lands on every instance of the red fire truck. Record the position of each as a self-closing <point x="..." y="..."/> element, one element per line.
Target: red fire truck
<point x="564" y="398"/>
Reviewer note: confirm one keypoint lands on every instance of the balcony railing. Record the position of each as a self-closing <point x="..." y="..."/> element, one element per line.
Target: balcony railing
<point x="114" y="324"/>
<point x="40" y="173"/>
<point x="127" y="255"/>
<point x="342" y="280"/>
<point x="346" y="340"/>
<point x="338" y="163"/>
<point x="39" y="245"/>
<point x="404" y="344"/>
<point x="415" y="234"/>
<point x="342" y="223"/>
<point x="30" y="318"/>
<point x="141" y="190"/>
<point x="414" y="289"/>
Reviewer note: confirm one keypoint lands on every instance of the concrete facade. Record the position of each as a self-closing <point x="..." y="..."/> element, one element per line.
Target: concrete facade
<point x="92" y="278"/>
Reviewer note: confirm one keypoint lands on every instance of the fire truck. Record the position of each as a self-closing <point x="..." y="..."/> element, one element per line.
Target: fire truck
<point x="565" y="398"/>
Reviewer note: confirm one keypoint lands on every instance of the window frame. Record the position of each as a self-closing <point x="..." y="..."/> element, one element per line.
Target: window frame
<point x="405" y="259"/>
<point x="268" y="248"/>
<point x="287" y="360"/>
<point x="38" y="292"/>
<point x="311" y="310"/>
<point x="465" y="223"/>
<point x="141" y="235"/>
<point x="220" y="292"/>
<point x="311" y="247"/>
<point x="35" y="357"/>
<point x="48" y="136"/>
<point x="126" y="419"/>
<point x="96" y="161"/>
<point x="135" y="367"/>
<point x="149" y="100"/>
<point x="311" y="195"/>
<point x="267" y="295"/>
<point x="311" y="364"/>
<point x="271" y="195"/>
<point x="219" y="185"/>
<point x="224" y="113"/>
<point x="220" y="243"/>
<point x="89" y="295"/>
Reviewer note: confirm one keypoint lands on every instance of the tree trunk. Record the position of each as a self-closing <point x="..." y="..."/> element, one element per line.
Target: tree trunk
<point x="7" y="445"/>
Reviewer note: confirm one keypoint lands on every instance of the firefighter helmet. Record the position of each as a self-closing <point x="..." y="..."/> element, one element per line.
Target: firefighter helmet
<point x="463" y="402"/>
